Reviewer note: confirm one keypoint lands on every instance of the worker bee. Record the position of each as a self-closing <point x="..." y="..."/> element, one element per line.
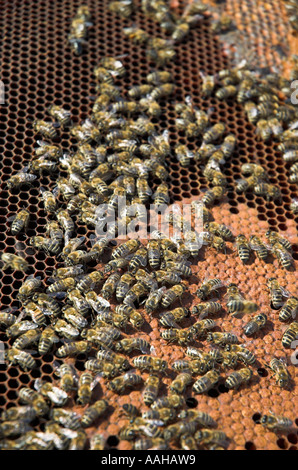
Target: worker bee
<point x="130" y="344"/>
<point x="236" y="304"/>
<point x="89" y="281"/>
<point x="66" y="418"/>
<point x="138" y="259"/>
<point x="47" y="339"/>
<point x="49" y="200"/>
<point x="67" y="375"/>
<point x="29" y="286"/>
<point x="274" y="237"/>
<point x="289" y="310"/>
<point x="22" y="358"/>
<point x="243" y="248"/>
<point x="41" y="165"/>
<point x="211" y="438"/>
<point x="151" y="389"/>
<point x="284" y="258"/>
<point x="259" y="247"/>
<point x="47" y="244"/>
<point x="222" y="338"/>
<point x="172" y="294"/>
<point x="276" y="423"/>
<point x="126" y="249"/>
<point x="237" y="378"/>
<point x="243" y="354"/>
<point x="179" y="384"/>
<point x="153" y="364"/>
<point x="182" y="337"/>
<point x="199" y="329"/>
<point x="203" y="384"/>
<point x="254" y="169"/>
<point x="279" y="369"/>
<point x="46" y="129"/>
<point x="267" y="190"/>
<point x="135" y="34"/>
<point x="226" y="92"/>
<point x="213" y="194"/>
<point x="46" y="150"/>
<point x="66" y="330"/>
<point x="61" y="285"/>
<point x="27" y="338"/>
<point x="158" y="77"/>
<point x="75" y="297"/>
<point x="129" y="379"/>
<point x="161" y="91"/>
<point x="174" y="431"/>
<point x="219" y="229"/>
<point x="110" y="285"/>
<point x="254" y="325"/>
<point x="54" y="231"/>
<point x="97" y="442"/>
<point x="93" y="412"/>
<point x="146" y="443"/>
<point x="7" y="319"/>
<point x="214" y="133"/>
<point x="276" y="293"/>
<point x="171" y="318"/>
<point x="150" y="106"/>
<point x="244" y="185"/>
<point x="184" y="155"/>
<point x="61" y="115"/>
<point x="34" y="399"/>
<point x="290" y="334"/>
<point x="20" y="178"/>
<point x="19" y="413"/>
<point x="208" y="84"/>
<point x="123" y="8"/>
<point x="74" y="317"/>
<point x="208" y="287"/>
<point x="20" y="221"/>
<point x="208" y="308"/>
<point x="14" y="262"/>
<point x="85" y="388"/>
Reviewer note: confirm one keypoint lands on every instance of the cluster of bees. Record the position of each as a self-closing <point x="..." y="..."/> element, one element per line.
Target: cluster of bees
<point x="91" y="311"/>
<point x="79" y="29"/>
<point x="292" y="10"/>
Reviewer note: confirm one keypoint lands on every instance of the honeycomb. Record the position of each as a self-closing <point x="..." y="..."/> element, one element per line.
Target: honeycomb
<point x="38" y="69"/>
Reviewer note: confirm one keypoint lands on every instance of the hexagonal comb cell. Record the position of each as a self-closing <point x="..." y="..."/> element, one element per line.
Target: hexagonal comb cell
<point x="38" y="69"/>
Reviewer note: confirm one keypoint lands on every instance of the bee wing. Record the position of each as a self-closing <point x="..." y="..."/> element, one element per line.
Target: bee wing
<point x="285" y="292"/>
<point x="96" y="380"/>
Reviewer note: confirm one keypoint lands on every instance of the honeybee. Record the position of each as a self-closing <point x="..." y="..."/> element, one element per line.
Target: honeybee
<point x="219" y="229"/>
<point x="62" y="285"/>
<point x="254" y="169"/>
<point x="158" y="77"/>
<point x="66" y="330"/>
<point x="172" y="294"/>
<point x="20" y="178"/>
<point x="243" y="248"/>
<point x="244" y="185"/>
<point x="237" y="378"/>
<point x="7" y="319"/>
<point x="49" y="200"/>
<point x="123" y="8"/>
<point x="137" y="35"/>
<point x="254" y="325"/>
<point x="208" y="287"/>
<point x="214" y="133"/>
<point x="200" y="328"/>
<point x="66" y="418"/>
<point x="61" y="115"/>
<point x="110" y="286"/>
<point x="276" y="293"/>
<point x="211" y="438"/>
<point x="89" y="281"/>
<point x="170" y="401"/>
<point x="138" y="259"/>
<point x="203" y="384"/>
<point x="93" y="412"/>
<point x="27" y="338"/>
<point x="130" y="344"/>
<point x="259" y="247"/>
<point x="208" y="84"/>
<point x="129" y="379"/>
<point x="19" y="327"/>
<point x="179" y="384"/>
<point x="243" y="354"/>
<point x="147" y="443"/>
<point x="213" y="194"/>
<point x="153" y="364"/>
<point x="280" y="371"/>
<point x="97" y="442"/>
<point x="14" y="262"/>
<point x="29" y="286"/>
<point x="20" y="221"/>
<point x="208" y="308"/>
<point x="222" y="338"/>
<point x="117" y="360"/>
<point x="226" y="92"/>
<point x="151" y="389"/>
<point x="182" y="337"/>
<point x="174" y="431"/>
<point x="74" y="317"/>
<point x="41" y="165"/>
<point x="184" y="155"/>
<point x="150" y="106"/>
<point x="46" y="150"/>
<point x="126" y="249"/>
<point x="276" y="423"/>
<point x="267" y="190"/>
<point x="290" y="334"/>
<point x="67" y="375"/>
<point x="274" y="237"/>
<point x="284" y="258"/>
<point x="34" y="399"/>
<point x="19" y="413"/>
<point x="46" y="129"/>
<point x="85" y="388"/>
<point x="47" y="244"/>
<point x="77" y="300"/>
<point x="289" y="310"/>
<point x="236" y="304"/>
<point x="22" y="358"/>
<point x="171" y="318"/>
